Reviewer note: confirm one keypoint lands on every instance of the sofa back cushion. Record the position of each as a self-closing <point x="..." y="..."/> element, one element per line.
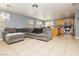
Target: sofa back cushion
<point x="24" y="29"/>
<point x="21" y="30"/>
<point x="46" y="29"/>
<point x="10" y="30"/>
<point x="29" y="30"/>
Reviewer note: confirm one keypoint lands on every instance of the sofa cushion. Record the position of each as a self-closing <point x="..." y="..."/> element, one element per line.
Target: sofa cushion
<point x="29" y="30"/>
<point x="21" y="30"/>
<point x="34" y="34"/>
<point x="10" y="30"/>
<point x="37" y="30"/>
<point x="12" y="34"/>
<point x="44" y="29"/>
<point x="42" y="35"/>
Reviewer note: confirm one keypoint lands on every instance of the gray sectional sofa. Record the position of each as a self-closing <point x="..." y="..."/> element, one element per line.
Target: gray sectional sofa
<point x="43" y="34"/>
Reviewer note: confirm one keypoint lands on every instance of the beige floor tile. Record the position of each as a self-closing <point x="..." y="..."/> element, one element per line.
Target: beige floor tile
<point x="72" y="51"/>
<point x="58" y="46"/>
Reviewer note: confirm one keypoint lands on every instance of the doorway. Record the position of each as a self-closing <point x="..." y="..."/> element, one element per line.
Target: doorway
<point x="65" y="26"/>
<point x="69" y="26"/>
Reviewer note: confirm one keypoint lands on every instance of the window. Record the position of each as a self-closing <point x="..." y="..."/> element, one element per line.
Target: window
<point x="39" y="24"/>
<point x="47" y="24"/>
<point x="31" y="23"/>
<point x="2" y="22"/>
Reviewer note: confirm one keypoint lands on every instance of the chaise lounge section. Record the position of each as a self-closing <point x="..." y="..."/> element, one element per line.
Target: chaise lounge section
<point x="11" y="36"/>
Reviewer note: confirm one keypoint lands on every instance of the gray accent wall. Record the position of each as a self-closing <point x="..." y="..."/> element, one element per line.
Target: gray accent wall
<point x="18" y="21"/>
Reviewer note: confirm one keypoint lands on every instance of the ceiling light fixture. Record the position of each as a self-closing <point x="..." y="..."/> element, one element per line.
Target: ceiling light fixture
<point x="35" y="5"/>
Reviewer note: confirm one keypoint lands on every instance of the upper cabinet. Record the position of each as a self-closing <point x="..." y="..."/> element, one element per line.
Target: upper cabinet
<point x="60" y="22"/>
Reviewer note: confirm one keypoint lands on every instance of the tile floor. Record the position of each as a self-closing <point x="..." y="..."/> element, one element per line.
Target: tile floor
<point x="60" y="46"/>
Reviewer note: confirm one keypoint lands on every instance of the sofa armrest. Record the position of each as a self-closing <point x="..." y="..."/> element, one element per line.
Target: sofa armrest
<point x="4" y="34"/>
<point x="49" y="34"/>
<point x="47" y="31"/>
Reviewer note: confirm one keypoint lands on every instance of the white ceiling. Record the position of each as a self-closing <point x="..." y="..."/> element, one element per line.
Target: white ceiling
<point x="45" y="11"/>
